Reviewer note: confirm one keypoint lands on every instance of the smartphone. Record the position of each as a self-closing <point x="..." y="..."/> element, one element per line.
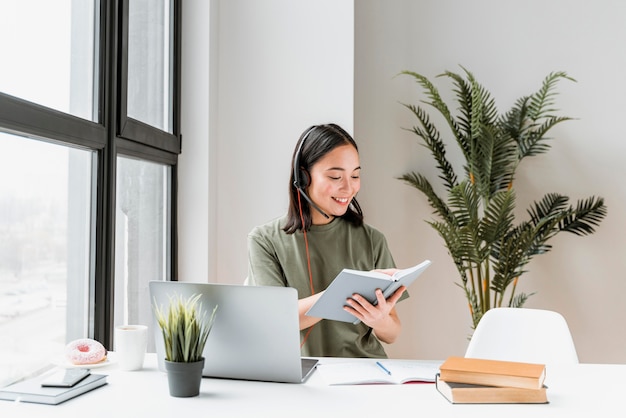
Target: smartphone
<point x="65" y="378"/>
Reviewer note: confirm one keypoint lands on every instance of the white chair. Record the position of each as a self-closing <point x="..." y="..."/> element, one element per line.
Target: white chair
<point x="523" y="334"/>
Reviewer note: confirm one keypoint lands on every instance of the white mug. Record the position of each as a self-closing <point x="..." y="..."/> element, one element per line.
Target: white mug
<point x="130" y="346"/>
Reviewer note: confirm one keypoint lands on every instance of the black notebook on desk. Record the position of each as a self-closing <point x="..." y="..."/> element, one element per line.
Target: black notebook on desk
<point x="30" y="390"/>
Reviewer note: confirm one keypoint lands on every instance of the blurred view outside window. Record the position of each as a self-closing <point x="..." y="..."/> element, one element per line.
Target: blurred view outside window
<point x="142" y="234"/>
<point x="48" y="50"/>
<point x="150" y="63"/>
<point x="45" y="245"/>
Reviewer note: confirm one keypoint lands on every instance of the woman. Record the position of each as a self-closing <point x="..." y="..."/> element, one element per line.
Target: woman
<point x="323" y="233"/>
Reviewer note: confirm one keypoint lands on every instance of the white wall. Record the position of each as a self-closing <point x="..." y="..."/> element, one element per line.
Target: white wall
<point x="273" y="68"/>
<point x="196" y="167"/>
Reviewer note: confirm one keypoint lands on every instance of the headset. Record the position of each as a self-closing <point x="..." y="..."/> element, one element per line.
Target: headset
<point x="301" y="177"/>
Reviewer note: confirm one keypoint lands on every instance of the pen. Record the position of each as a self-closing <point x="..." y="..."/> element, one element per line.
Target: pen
<point x="379" y="364"/>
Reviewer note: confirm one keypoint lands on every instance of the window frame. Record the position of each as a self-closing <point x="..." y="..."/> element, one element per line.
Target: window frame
<point x="133" y="129"/>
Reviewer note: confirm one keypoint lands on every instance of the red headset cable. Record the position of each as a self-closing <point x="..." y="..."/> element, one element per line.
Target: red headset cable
<point x="308" y="262"/>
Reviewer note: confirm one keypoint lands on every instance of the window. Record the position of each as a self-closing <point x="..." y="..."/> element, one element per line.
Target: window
<point x="148" y="102"/>
<point x="48" y="49"/>
<point x="142" y="240"/>
<point x="86" y="201"/>
<point x="45" y="242"/>
<point x="149" y="80"/>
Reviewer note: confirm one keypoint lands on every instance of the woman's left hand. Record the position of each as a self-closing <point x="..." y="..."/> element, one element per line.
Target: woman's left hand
<point x="375" y="316"/>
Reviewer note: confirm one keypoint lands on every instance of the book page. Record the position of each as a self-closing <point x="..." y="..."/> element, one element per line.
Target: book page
<point x="413" y="370"/>
<point x="360" y="372"/>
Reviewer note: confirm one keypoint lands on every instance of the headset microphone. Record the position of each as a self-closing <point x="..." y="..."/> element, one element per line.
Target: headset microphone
<point x="308" y="199"/>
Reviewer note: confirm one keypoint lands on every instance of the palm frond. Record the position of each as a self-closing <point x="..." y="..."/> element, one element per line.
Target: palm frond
<point x="535" y="141"/>
<point x="585" y="217"/>
<point x="542" y="101"/>
<point x="498" y="218"/>
<point x="432" y="140"/>
<point x="519" y="300"/>
<point x="463" y="92"/>
<point x="465" y="204"/>
<point x="421" y="183"/>
<point x="435" y="101"/>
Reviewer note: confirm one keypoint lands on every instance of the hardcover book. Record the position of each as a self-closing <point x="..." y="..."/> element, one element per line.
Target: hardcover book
<point x="468" y="393"/>
<point x="493" y="372"/>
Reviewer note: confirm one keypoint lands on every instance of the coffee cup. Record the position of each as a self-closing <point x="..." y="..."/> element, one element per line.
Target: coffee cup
<point x="130" y="346"/>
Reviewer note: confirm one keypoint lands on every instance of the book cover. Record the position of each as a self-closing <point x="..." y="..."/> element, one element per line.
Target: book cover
<point x="30" y="390"/>
<point x="493" y="372"/>
<point x="395" y="372"/>
<point x="468" y="393"/>
<point x="348" y="282"/>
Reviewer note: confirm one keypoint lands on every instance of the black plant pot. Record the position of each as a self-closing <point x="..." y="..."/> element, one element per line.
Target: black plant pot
<point x="184" y="379"/>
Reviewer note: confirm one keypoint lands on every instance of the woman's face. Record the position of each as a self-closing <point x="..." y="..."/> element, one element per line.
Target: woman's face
<point x="335" y="180"/>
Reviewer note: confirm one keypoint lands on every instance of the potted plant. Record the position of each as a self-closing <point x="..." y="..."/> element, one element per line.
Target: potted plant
<point x="476" y="218"/>
<point x="185" y="328"/>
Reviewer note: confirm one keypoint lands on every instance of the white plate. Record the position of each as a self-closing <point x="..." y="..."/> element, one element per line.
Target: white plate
<point x="66" y="364"/>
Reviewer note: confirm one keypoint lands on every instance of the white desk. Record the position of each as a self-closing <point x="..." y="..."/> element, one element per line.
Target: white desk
<point x="572" y="391"/>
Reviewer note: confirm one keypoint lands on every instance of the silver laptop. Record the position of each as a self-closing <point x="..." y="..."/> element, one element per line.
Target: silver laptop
<point x="255" y="335"/>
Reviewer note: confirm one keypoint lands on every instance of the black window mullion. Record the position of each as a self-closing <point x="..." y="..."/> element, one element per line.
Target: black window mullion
<point x="103" y="285"/>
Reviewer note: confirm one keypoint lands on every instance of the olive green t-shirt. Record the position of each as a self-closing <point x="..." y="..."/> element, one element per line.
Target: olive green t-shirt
<point x="276" y="258"/>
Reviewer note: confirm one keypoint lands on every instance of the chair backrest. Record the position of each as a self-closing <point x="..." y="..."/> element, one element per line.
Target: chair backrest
<point x="523" y="334"/>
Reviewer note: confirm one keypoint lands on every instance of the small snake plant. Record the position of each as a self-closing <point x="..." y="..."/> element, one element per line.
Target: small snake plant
<point x="185" y="328"/>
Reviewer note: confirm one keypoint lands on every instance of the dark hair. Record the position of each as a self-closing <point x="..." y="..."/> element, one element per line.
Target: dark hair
<point x="319" y="140"/>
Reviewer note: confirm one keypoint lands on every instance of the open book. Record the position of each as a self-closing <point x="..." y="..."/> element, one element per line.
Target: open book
<point x="384" y="371"/>
<point x="348" y="282"/>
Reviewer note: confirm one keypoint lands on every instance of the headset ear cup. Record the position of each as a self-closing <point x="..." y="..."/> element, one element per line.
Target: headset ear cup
<point x="303" y="178"/>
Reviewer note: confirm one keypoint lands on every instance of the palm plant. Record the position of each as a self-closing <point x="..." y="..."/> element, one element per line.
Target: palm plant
<point x="476" y="221"/>
<point x="185" y="328"/>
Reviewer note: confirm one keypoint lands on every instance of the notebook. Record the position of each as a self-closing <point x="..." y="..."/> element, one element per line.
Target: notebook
<point x="255" y="335"/>
<point x="30" y="390"/>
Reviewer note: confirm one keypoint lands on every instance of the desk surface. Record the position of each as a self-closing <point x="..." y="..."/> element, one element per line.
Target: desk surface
<point x="572" y="391"/>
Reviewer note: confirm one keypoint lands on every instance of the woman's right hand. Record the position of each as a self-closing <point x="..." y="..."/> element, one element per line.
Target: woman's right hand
<point x="304" y="305"/>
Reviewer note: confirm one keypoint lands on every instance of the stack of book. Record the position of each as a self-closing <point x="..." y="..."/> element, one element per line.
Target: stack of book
<point x="471" y="380"/>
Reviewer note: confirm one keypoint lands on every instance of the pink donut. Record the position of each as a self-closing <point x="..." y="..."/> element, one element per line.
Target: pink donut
<point x="85" y="351"/>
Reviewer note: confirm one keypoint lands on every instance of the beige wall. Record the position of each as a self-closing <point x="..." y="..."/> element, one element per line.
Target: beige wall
<point x="277" y="66"/>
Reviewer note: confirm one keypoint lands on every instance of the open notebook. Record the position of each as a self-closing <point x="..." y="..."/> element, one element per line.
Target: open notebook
<point x="255" y="335"/>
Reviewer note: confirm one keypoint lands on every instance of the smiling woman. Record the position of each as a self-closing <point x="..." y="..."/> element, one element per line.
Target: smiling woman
<point x="322" y="233"/>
